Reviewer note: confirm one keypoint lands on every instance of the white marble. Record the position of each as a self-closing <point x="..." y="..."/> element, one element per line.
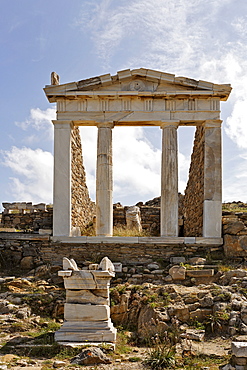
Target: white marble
<point x="62" y="179"/>
<point x="212" y="215"/>
<point x="104" y="182"/>
<point x="86" y="312"/>
<point x="169" y="181"/>
<point x="212" y="206"/>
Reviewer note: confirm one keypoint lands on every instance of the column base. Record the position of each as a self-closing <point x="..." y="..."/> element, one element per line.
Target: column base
<point x="81" y="331"/>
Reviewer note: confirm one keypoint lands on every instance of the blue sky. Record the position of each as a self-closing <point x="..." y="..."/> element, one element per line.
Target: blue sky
<point x="199" y="39"/>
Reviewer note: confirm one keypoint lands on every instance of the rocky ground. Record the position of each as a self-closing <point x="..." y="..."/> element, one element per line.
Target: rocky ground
<point x="198" y="320"/>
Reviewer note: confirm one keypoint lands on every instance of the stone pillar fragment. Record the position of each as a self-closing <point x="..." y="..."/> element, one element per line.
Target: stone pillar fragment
<point x="62" y="179"/>
<point x="212" y="205"/>
<point x="169" y="180"/>
<point x="104" y="182"/>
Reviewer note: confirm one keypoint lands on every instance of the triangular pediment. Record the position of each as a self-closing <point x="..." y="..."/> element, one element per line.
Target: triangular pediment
<point x="137" y="81"/>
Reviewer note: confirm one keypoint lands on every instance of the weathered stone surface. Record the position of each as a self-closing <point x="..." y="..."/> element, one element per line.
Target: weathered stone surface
<point x="200" y="273"/>
<point x="85" y="297"/>
<point x="235" y="245"/>
<point x="91" y="356"/>
<point x="177" y="272"/>
<point x="169" y="181"/>
<point x="180" y="311"/>
<point x="232" y="226"/>
<point x="194" y="334"/>
<point x="201" y="314"/>
<point x="194" y="192"/>
<point x="82" y="208"/>
<point x="27" y="263"/>
<point x="239" y="349"/>
<point x="133" y="218"/>
<point x="177" y="260"/>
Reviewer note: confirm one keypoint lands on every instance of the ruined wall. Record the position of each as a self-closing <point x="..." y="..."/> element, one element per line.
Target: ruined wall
<point x="83" y="209"/>
<point x="16" y="249"/>
<point x="234" y="229"/>
<point x="26" y="216"/>
<point x="150" y="215"/>
<point x="194" y="193"/>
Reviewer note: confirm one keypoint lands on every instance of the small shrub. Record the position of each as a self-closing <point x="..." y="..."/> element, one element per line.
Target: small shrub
<point x="161" y="356"/>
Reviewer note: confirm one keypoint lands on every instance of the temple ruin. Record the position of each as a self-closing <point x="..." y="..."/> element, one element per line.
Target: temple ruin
<point x="142" y="97"/>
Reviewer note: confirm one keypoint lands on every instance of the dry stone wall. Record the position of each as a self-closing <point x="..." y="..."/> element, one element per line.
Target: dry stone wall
<point x="234" y="226"/>
<point x="150" y="215"/>
<point x="26" y="216"/>
<point x="194" y="193"/>
<point x="83" y="209"/>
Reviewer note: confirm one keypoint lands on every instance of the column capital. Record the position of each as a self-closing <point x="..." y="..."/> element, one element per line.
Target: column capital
<point x="165" y="124"/>
<point x="106" y="124"/>
<point x="63" y="123"/>
<point x="212" y="123"/>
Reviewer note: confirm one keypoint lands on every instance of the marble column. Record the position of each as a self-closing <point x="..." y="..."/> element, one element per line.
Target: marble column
<point x="169" y="180"/>
<point x="104" y="181"/>
<point x="62" y="178"/>
<point x="212" y="204"/>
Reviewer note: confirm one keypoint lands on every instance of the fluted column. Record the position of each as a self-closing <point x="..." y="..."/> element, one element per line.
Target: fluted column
<point x="104" y="181"/>
<point x="212" y="203"/>
<point x="62" y="178"/>
<point x="169" y="180"/>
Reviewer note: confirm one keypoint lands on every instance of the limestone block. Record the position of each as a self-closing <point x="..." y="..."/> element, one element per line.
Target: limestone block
<point x="77" y="312"/>
<point x="200" y="314"/>
<point x="193" y="334"/>
<point x="177" y="272"/>
<point x="239" y="349"/>
<point x="200" y="273"/>
<point x="180" y="311"/>
<point x="85" y="296"/>
<point x="233" y="227"/>
<point x="235" y="245"/>
<point x="82" y="279"/>
<point x="177" y="260"/>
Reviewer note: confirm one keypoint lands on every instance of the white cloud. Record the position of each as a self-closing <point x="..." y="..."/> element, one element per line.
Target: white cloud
<point x="136" y="164"/>
<point x="39" y="120"/>
<point x="32" y="169"/>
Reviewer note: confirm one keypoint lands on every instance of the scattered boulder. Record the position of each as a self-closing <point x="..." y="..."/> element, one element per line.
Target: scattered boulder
<point x="91" y="356"/>
<point x="177" y="272"/>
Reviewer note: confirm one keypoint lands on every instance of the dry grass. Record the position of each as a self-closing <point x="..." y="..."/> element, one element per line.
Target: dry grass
<point x="118" y="230"/>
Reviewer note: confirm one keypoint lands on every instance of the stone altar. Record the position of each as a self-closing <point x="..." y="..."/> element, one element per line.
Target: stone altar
<point x="87" y="310"/>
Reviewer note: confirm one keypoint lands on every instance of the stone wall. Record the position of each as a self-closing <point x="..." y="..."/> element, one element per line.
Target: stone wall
<point x="17" y="248"/>
<point x="83" y="209"/>
<point x="26" y="216"/>
<point x="150" y="218"/>
<point x="235" y="234"/>
<point x="194" y="193"/>
<point x="150" y="215"/>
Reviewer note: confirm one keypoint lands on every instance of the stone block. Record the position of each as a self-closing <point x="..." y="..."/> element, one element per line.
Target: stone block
<point x="239" y="349"/>
<point x="200" y="273"/>
<point x="177" y="272"/>
<point x="86" y="296"/>
<point x="77" y="312"/>
<point x="177" y="260"/>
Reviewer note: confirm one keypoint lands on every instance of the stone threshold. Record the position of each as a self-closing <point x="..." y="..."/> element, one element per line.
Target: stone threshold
<point x="139" y="240"/>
